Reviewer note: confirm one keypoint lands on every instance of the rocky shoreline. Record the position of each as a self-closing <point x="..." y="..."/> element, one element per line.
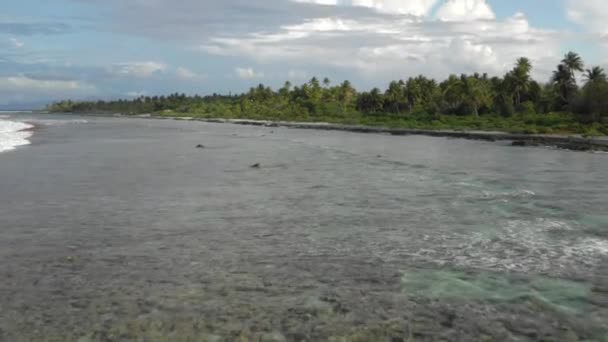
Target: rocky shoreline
<point x="573" y="142"/>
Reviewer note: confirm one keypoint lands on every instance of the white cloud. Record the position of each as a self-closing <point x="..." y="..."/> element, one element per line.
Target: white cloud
<point x="186" y="74"/>
<point x="16" y="42"/>
<point x="23" y="82"/>
<point x="296" y="75"/>
<point x="20" y="88"/>
<point x="398" y="46"/>
<point x="591" y="14"/>
<point x="463" y="10"/>
<point x="136" y="94"/>
<point x="319" y="2"/>
<point x="138" y="69"/>
<point x="378" y="39"/>
<point x="411" y="7"/>
<point x="248" y="73"/>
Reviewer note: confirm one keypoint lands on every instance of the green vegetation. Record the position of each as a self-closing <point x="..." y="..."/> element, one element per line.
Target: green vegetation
<point x="514" y="102"/>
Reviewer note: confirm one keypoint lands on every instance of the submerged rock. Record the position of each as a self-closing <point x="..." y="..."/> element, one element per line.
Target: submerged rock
<point x="520" y="143"/>
<point x="272" y="337"/>
<point x="576" y="147"/>
<point x="255" y="166"/>
<point x="200" y="146"/>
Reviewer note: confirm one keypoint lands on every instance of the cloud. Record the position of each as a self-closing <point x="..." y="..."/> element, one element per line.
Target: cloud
<point x="411" y="7"/>
<point x="20" y="88"/>
<point x="192" y="21"/>
<point x="296" y="75"/>
<point x="136" y="94"/>
<point x="138" y="69"/>
<point x="319" y="2"/>
<point x="376" y="38"/>
<point x="457" y="10"/>
<point x="248" y="73"/>
<point x="16" y="42"/>
<point x="591" y="14"/>
<point x="23" y="82"/>
<point x="29" y="29"/>
<point x="399" y="45"/>
<point x="186" y="74"/>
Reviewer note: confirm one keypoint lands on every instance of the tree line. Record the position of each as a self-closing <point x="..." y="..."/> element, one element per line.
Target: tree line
<point x="459" y="95"/>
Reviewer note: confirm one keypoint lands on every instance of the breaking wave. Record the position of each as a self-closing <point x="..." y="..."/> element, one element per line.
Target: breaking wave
<point x="13" y="134"/>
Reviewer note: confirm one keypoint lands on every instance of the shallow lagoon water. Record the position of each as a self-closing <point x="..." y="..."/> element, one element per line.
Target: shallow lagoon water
<point x="114" y="229"/>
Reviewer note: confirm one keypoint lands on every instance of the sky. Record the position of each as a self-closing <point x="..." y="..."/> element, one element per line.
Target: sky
<point x="102" y="49"/>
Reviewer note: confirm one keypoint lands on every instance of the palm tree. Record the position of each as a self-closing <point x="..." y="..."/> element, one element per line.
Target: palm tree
<point x="563" y="81"/>
<point x="346" y="93"/>
<point x="523" y="64"/>
<point x="413" y="92"/>
<point x="595" y="93"/>
<point x="326" y="82"/>
<point x="376" y="100"/>
<point x="314" y="92"/>
<point x="452" y="92"/>
<point x="520" y="77"/>
<point x="395" y="95"/>
<point x="573" y="62"/>
<point x="477" y="92"/>
<point x="595" y="74"/>
<point x="284" y="91"/>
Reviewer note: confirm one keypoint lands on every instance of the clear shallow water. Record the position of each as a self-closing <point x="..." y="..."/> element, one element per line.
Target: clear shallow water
<point x="116" y="229"/>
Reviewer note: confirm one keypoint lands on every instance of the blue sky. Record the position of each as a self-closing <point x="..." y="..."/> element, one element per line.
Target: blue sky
<point x="89" y="49"/>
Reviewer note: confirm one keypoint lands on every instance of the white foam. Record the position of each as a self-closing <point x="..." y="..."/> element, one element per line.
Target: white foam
<point x="61" y="122"/>
<point x="546" y="246"/>
<point x="13" y="134"/>
<point x="591" y="246"/>
<point x="520" y="193"/>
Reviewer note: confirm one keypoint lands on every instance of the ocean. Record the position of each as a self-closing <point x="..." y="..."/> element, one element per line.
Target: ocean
<point x="115" y="229"/>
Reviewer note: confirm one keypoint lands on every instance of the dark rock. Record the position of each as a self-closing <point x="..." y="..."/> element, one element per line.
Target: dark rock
<point x="599" y="289"/>
<point x="255" y="166"/>
<point x="520" y="143"/>
<point x="576" y="147"/>
<point x="448" y="320"/>
<point x="200" y="146"/>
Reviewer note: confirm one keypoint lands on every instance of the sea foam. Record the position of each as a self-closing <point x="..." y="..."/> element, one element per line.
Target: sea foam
<point x="13" y="134"/>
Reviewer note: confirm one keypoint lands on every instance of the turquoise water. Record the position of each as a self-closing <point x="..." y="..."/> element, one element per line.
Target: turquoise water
<point x="559" y="294"/>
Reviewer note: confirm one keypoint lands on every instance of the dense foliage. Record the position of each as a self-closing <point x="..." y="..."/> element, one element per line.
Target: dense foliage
<point x="514" y="102"/>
